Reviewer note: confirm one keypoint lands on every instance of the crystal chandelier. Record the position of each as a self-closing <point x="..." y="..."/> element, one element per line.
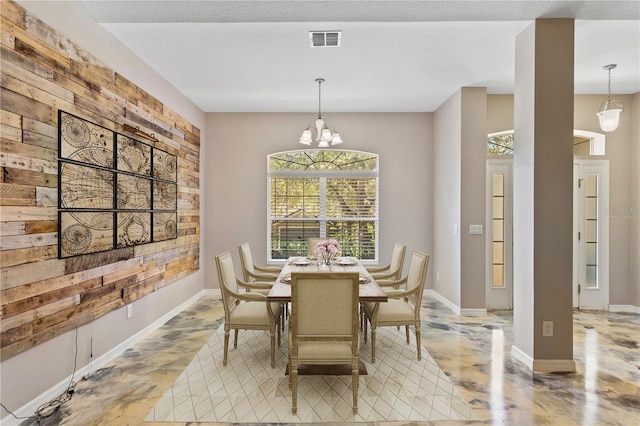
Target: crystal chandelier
<point x="610" y="110"/>
<point x="324" y="135"/>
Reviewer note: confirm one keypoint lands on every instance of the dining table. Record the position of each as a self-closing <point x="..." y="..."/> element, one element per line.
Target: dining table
<point x="369" y="290"/>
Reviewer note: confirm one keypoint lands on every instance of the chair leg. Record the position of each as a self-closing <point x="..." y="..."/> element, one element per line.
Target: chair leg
<point x="293" y="372"/>
<point x="235" y="338"/>
<point x="373" y="343"/>
<point x="418" y="342"/>
<point x="365" y="329"/>
<point x="272" y="332"/>
<point x="226" y="345"/>
<point x="355" y="374"/>
<point x="406" y="328"/>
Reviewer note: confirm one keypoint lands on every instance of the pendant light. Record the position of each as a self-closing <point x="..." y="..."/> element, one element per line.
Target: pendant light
<point x="324" y="135"/>
<point x="610" y="110"/>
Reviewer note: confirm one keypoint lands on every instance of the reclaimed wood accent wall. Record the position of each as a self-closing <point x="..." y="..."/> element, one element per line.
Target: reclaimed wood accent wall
<point x="42" y="296"/>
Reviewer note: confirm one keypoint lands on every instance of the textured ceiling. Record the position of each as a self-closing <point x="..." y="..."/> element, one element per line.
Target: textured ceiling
<point x="395" y="56"/>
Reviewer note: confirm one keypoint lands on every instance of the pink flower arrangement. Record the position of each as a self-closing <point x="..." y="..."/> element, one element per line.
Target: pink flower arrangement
<point x="326" y="249"/>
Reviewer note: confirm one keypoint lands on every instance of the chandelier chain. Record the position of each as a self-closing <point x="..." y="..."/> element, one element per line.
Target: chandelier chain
<point x="609" y="84"/>
<point x="320" y="98"/>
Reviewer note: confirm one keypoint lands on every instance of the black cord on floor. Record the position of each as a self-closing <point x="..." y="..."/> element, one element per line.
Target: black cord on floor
<point x="48" y="408"/>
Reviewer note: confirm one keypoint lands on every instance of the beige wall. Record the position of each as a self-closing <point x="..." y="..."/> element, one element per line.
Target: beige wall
<point x="473" y="198"/>
<point x="235" y="166"/>
<point x="634" y="253"/>
<point x="447" y="149"/>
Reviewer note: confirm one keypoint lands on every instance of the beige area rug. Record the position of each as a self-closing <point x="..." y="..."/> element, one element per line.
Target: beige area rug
<point x="397" y="387"/>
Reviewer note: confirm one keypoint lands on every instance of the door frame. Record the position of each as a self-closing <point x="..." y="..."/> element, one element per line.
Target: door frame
<point x="591" y="301"/>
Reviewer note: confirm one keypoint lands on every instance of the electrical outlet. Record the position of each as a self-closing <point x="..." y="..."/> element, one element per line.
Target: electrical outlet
<point x="437" y="276"/>
<point x="129" y="310"/>
<point x="547" y="328"/>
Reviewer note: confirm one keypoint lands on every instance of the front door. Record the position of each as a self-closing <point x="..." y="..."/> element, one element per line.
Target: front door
<point x="499" y="275"/>
<point x="591" y="234"/>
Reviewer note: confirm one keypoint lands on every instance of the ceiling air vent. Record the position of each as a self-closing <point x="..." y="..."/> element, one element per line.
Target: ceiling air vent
<point x="325" y="38"/>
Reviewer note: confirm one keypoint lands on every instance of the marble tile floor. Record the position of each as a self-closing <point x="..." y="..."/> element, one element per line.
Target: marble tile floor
<point x="474" y="352"/>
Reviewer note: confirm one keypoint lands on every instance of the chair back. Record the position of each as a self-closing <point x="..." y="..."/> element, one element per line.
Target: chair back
<point x="397" y="261"/>
<point x="227" y="280"/>
<point x="324" y="307"/>
<point x="311" y="244"/>
<point x="246" y="260"/>
<point x="416" y="277"/>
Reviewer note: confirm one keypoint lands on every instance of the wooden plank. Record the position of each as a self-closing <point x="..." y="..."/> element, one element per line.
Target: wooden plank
<point x="14" y="13"/>
<point x="16" y="161"/>
<point x="7" y="40"/>
<point x="136" y="291"/>
<point x="18" y="320"/>
<point x="16" y="276"/>
<point x="28" y="255"/>
<point x="11" y="133"/>
<point x="45" y="129"/>
<point x="94" y="260"/>
<point x="15" y="334"/>
<point x="45" y="335"/>
<point x="34" y="93"/>
<point x="20" y="213"/>
<point x="39" y="287"/>
<point x="15" y="191"/>
<point x="10" y="55"/>
<point x="47" y="197"/>
<point x="36" y="139"/>
<point x="127" y="272"/>
<point x="13" y="242"/>
<point x="40" y="226"/>
<point x="31" y="46"/>
<point x="28" y="151"/>
<point x="10" y="119"/>
<point x="28" y="78"/>
<point x="12" y="228"/>
<point x="29" y="177"/>
<point x="26" y="106"/>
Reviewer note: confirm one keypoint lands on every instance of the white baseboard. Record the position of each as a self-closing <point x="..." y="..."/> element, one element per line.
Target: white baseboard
<point x="29" y="408"/>
<point x="521" y="356"/>
<point x="454" y="308"/>
<point x="630" y="309"/>
<point x="440" y="298"/>
<point x="473" y="312"/>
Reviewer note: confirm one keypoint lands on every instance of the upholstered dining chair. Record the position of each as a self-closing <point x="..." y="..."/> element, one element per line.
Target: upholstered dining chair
<point x="392" y="271"/>
<point x="402" y="306"/>
<point x="251" y="271"/>
<point x="245" y="310"/>
<point x="311" y="244"/>
<point x="323" y="326"/>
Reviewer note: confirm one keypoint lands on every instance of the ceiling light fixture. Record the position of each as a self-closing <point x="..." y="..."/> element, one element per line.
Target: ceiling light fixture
<point x="323" y="134"/>
<point x="610" y="110"/>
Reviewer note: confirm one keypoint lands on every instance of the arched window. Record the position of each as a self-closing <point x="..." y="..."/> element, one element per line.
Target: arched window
<point x="322" y="193"/>
<point x="584" y="143"/>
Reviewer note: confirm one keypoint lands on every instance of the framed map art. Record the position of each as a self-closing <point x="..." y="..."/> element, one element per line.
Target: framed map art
<point x="114" y="191"/>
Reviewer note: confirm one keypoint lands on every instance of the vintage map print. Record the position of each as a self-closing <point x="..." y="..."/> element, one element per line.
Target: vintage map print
<point x="85" y="232"/>
<point x="114" y="191"/>
<point x="85" y="142"/>
<point x="133" y="228"/>
<point x="133" y="156"/>
<point x="165" y="226"/>
<point x="165" y="166"/>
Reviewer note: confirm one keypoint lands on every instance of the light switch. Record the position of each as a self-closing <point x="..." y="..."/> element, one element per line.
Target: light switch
<point x="455" y="228"/>
<point x="475" y="229"/>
